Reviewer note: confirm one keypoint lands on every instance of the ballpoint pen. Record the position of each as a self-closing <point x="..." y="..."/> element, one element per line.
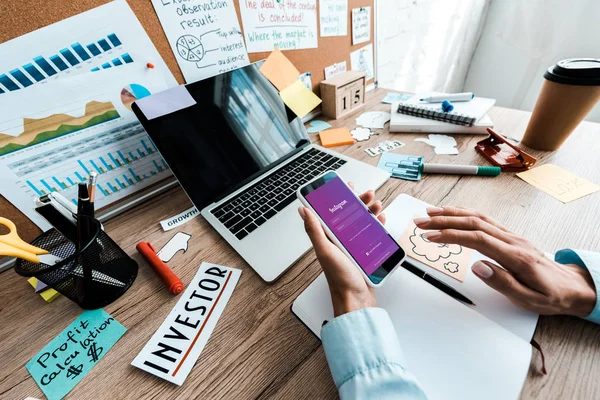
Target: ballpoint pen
<point x="449" y="290"/>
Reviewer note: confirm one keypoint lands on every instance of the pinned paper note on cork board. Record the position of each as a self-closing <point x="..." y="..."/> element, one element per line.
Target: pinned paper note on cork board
<point x="451" y="259"/>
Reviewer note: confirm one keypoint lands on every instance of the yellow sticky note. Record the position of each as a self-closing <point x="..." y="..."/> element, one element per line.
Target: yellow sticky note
<point x="558" y="183"/>
<point x="451" y="259"/>
<point x="335" y="137"/>
<point x="299" y="99"/>
<point x="279" y="70"/>
<point x="48" y="295"/>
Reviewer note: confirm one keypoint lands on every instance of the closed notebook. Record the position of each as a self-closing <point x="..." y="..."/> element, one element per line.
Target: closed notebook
<point x="402" y="123"/>
<point x="464" y="113"/>
<point x="455" y="351"/>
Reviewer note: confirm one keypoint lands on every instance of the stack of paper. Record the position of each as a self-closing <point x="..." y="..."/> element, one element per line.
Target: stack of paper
<point x="408" y="123"/>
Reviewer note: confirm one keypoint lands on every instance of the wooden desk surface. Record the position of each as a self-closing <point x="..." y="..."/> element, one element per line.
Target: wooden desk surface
<point x="259" y="349"/>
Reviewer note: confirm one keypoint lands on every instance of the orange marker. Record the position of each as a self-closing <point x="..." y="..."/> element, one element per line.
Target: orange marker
<point x="150" y="65"/>
<point x="161" y="269"/>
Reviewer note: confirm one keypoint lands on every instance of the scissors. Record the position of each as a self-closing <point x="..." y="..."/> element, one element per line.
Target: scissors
<point x="12" y="245"/>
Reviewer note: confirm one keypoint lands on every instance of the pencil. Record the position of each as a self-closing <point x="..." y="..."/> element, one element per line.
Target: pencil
<point x="449" y="290"/>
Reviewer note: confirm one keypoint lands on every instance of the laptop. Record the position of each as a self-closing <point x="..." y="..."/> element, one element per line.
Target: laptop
<point x="240" y="154"/>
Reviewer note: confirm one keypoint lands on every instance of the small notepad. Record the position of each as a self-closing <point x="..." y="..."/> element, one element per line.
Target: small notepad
<point x="464" y="113"/>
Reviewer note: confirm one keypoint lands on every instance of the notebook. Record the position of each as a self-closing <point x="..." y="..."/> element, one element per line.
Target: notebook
<point x="408" y="123"/>
<point x="454" y="350"/>
<point x="464" y="113"/>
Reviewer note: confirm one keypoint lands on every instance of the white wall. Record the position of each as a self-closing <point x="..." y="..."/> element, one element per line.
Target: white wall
<point x="522" y="38"/>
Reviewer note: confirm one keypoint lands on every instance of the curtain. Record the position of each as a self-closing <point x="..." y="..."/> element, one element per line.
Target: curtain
<point x="426" y="45"/>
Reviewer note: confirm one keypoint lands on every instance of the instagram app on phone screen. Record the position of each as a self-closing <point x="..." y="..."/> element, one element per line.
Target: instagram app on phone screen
<point x="360" y="234"/>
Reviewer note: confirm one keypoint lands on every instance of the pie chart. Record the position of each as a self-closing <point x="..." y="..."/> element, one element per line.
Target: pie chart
<point x="190" y="48"/>
<point x="133" y="92"/>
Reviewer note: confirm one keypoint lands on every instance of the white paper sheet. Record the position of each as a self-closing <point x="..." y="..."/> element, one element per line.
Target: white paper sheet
<point x="166" y="102"/>
<point x="179" y="219"/>
<point x="289" y="25"/>
<point x="108" y="36"/>
<point x="172" y="351"/>
<point x="335" y="69"/>
<point x="490" y="303"/>
<point x="362" y="60"/>
<point x="333" y="16"/>
<point x="454" y="352"/>
<point x="205" y="36"/>
<point x="88" y="126"/>
<point x="361" y="25"/>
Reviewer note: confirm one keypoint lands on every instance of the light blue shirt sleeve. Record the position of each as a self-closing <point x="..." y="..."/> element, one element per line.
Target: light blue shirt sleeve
<point x="591" y="261"/>
<point x="365" y="358"/>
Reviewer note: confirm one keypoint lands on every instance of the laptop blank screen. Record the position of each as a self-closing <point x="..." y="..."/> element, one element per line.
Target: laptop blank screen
<point x="237" y="129"/>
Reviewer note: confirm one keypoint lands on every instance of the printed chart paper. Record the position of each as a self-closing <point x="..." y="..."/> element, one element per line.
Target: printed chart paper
<point x="204" y="35"/>
<point x="335" y="69"/>
<point x="289" y="25"/>
<point x="68" y="358"/>
<point x="173" y="350"/>
<point x="451" y="259"/>
<point x="109" y="36"/>
<point x="361" y="25"/>
<point x="362" y="60"/>
<point x="333" y="17"/>
<point x="558" y="183"/>
<point x="53" y="135"/>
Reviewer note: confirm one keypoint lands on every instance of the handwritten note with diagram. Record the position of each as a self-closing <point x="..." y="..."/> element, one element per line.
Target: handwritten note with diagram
<point x="204" y="35"/>
<point x="558" y="183"/>
<point x="289" y="25"/>
<point x="451" y="259"/>
<point x="68" y="358"/>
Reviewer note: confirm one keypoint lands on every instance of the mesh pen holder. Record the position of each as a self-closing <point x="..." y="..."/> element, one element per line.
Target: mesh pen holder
<point x="92" y="277"/>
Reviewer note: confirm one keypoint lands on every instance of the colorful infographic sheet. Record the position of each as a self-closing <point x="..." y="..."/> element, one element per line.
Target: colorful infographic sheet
<point x="109" y="36"/>
<point x="53" y="135"/>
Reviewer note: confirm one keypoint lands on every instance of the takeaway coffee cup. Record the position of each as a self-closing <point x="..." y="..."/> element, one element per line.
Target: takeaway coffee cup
<point x="571" y="88"/>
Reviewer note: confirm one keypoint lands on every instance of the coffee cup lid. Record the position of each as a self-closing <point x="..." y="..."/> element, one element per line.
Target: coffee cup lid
<point x="575" y="71"/>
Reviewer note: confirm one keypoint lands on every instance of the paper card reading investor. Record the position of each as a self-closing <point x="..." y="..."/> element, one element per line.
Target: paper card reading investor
<point x="451" y="259"/>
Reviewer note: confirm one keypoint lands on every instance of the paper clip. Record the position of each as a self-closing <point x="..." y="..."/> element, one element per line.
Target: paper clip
<point x="500" y="152"/>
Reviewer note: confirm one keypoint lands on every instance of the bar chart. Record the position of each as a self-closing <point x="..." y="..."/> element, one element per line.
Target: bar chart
<point x="43" y="67"/>
<point x="123" y="157"/>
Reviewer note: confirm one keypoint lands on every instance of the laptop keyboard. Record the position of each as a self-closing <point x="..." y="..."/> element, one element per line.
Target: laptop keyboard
<point x="260" y="202"/>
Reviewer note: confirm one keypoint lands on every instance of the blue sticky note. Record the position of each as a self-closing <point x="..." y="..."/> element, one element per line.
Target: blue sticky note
<point x="401" y="166"/>
<point x="318" y="126"/>
<point x="391" y="97"/>
<point x="74" y="352"/>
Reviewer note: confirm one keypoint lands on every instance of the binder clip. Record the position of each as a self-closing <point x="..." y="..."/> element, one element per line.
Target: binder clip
<point x="500" y="152"/>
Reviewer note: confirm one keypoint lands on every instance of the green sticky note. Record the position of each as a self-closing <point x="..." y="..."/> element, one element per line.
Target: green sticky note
<point x="74" y="352"/>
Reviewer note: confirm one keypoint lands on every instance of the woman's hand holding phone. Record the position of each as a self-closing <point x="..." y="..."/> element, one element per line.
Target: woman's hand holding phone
<point x="349" y="291"/>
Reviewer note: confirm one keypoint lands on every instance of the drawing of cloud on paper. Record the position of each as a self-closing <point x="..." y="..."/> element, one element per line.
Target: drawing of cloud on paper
<point x="431" y="251"/>
<point x="450" y="259"/>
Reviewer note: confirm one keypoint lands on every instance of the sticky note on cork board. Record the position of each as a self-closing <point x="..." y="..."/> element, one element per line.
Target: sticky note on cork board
<point x="451" y="259"/>
<point x="279" y="70"/>
<point x="335" y="137"/>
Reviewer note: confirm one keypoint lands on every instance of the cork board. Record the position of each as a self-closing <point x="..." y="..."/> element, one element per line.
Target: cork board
<point x="22" y="16"/>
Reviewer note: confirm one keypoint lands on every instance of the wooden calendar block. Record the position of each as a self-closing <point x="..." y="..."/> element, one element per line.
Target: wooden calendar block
<point x="343" y="94"/>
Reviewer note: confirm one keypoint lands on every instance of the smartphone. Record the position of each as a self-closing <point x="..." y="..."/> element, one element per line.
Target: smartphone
<point x="352" y="227"/>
